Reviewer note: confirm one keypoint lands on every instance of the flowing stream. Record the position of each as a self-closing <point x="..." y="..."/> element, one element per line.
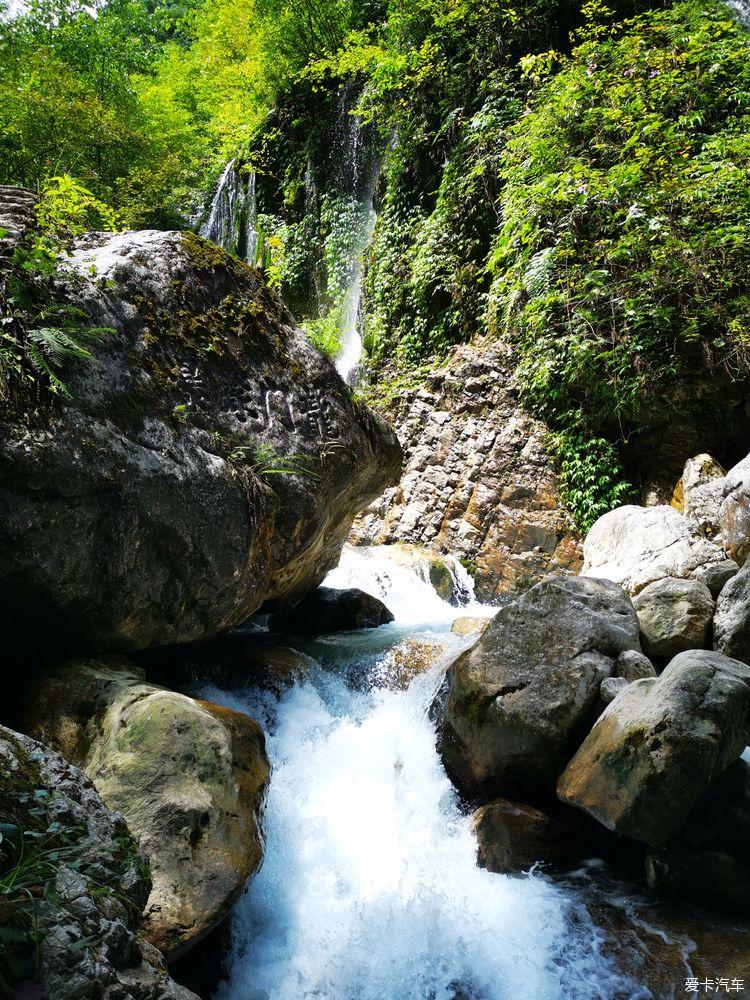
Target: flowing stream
<point x="370" y="888"/>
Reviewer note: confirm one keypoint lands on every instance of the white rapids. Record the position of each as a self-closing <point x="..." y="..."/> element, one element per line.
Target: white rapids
<point x="370" y="888"/>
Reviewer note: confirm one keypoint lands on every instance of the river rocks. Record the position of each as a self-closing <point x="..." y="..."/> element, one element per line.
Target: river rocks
<point x="610" y="687"/>
<point x="90" y="947"/>
<point x="469" y="625"/>
<point x="330" y="610"/>
<point x="207" y="459"/>
<point x="721" y="505"/>
<point x="518" y="698"/>
<point x="478" y="482"/>
<point x="660" y="744"/>
<point x="407" y="660"/>
<point x="632" y="665"/>
<point x="674" y="615"/>
<point x="512" y="837"/>
<point x="636" y="546"/>
<point x="696" y="493"/>
<point x="732" y="618"/>
<point x="188" y="776"/>
<point x="705" y="876"/>
<point x="436" y="568"/>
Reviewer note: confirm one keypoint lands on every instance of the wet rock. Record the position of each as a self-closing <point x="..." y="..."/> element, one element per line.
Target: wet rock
<point x="675" y="615"/>
<point x="208" y="449"/>
<point x="468" y="625"/>
<point x="478" y="480"/>
<point x="328" y="610"/>
<point x="436" y="568"/>
<point x="90" y="946"/>
<point x="407" y="660"/>
<point x="188" y="776"/>
<point x="610" y="687"/>
<point x="720" y="819"/>
<point x="636" y="546"/>
<point x="512" y="837"/>
<point x="709" y="877"/>
<point x="632" y="665"/>
<point x="519" y="697"/>
<point x="659" y="745"/>
<point x="732" y="618"/>
<point x="723" y="509"/>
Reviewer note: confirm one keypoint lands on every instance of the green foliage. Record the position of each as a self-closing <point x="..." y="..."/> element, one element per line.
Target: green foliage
<point x="264" y="461"/>
<point x="592" y="480"/>
<point x="325" y="333"/>
<point x="619" y="271"/>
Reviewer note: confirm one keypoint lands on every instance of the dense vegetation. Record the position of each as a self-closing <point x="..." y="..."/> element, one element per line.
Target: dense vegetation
<point x="570" y="176"/>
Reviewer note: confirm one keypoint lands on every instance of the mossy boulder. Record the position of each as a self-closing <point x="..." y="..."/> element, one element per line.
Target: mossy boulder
<point x="207" y="458"/>
<point x="188" y="776"/>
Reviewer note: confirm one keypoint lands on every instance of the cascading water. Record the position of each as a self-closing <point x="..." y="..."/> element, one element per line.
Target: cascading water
<point x="370" y="888"/>
<point x="232" y="217"/>
<point x="741" y="10"/>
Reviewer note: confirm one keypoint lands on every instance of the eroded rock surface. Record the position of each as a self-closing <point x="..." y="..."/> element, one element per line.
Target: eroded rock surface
<point x="635" y="546"/>
<point x="518" y="698"/>
<point x="659" y="745"/>
<point x="478" y="481"/>
<point x="90" y="947"/>
<point x="188" y="776"/>
<point x="330" y="610"/>
<point x="208" y="458"/>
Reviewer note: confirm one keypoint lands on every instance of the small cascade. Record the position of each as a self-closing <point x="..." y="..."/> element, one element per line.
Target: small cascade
<point x="741" y="11"/>
<point x="232" y="217"/>
<point x="403" y="584"/>
<point x="349" y="357"/>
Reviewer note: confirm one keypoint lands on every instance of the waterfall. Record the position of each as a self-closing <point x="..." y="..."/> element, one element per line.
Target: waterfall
<point x="350" y="355"/>
<point x="232" y="217"/>
<point x="741" y="11"/>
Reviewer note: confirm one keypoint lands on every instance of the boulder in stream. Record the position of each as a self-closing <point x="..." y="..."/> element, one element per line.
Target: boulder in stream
<point x="675" y="615"/>
<point x="188" y="776"/>
<point x="635" y="546"/>
<point x="660" y="744"/>
<point x="89" y="942"/>
<point x="520" y="697"/>
<point x="513" y="837"/>
<point x="732" y="618"/>
<point x="206" y="459"/>
<point x="329" y="610"/>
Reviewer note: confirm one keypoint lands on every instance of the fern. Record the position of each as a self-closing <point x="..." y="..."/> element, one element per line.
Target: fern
<point x="50" y="348"/>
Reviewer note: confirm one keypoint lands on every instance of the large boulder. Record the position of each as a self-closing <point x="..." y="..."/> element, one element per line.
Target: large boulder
<point x="331" y="610"/>
<point x="188" y="776"/>
<point x="513" y="837"/>
<point x="207" y="458"/>
<point x="712" y="877"/>
<point x="519" y="697"/>
<point x="732" y="617"/>
<point x="635" y="546"/>
<point x="675" y="615"/>
<point x="658" y="746"/>
<point x="721" y="506"/>
<point x="90" y="889"/>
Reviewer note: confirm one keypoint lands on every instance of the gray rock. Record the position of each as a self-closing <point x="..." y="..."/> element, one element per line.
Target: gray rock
<point x="611" y="687"/>
<point x="208" y="458"/>
<point x="479" y="481"/>
<point x="90" y="946"/>
<point x="636" y="546"/>
<point x="658" y="746"/>
<point x="675" y="615"/>
<point x="706" y="877"/>
<point x="520" y="696"/>
<point x="698" y="491"/>
<point x="331" y="610"/>
<point x="633" y="665"/>
<point x="512" y="837"/>
<point x="723" y="507"/>
<point x="732" y="617"/>
<point x="188" y="776"/>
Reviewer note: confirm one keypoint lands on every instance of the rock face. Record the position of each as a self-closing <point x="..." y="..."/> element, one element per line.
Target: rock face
<point x="636" y="546"/>
<point x="188" y="776"/>
<point x="720" y="504"/>
<point x="512" y="837"/>
<point x="660" y="744"/>
<point x="518" y="698"/>
<point x="208" y="458"/>
<point x="696" y="491"/>
<point x="89" y="944"/>
<point x="732" y="618"/>
<point x="330" y="610"/>
<point x="675" y="615"/>
<point x="478" y="482"/>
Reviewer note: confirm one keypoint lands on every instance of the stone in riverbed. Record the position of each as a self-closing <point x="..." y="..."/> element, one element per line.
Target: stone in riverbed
<point x="611" y="687"/>
<point x="659" y="745"/>
<point x="704" y="876"/>
<point x="696" y="491"/>
<point x="188" y="776"/>
<point x="518" y="698"/>
<point x="90" y="945"/>
<point x="636" y="546"/>
<point x="732" y="618"/>
<point x="469" y="625"/>
<point x="632" y="665"/>
<point x="511" y="837"/>
<point x="675" y="615"/>
<point x="328" y="610"/>
<point x="208" y="458"/>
